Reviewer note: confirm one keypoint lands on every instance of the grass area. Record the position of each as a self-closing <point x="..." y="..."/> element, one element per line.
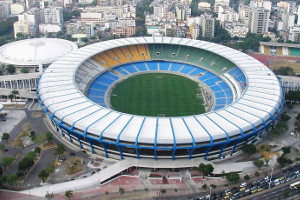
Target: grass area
<point x="292" y="64"/>
<point x="158" y="94"/>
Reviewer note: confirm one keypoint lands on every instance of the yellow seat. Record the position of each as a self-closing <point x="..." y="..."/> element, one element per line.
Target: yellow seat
<point x="143" y="51"/>
<point x="121" y="55"/>
<point x="101" y="60"/>
<point x="126" y="52"/>
<point x="135" y="53"/>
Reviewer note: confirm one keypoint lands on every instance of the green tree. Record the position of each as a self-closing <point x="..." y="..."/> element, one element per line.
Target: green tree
<point x="25" y="164"/>
<point x="286" y="150"/>
<point x="11" y="69"/>
<point x="163" y="191"/>
<point x="246" y="177"/>
<point x="205" y="169"/>
<point x="249" y="149"/>
<point x="11" y="179"/>
<point x="24" y="70"/>
<point x="258" y="163"/>
<point x="204" y="187"/>
<point x="283" y="161"/>
<point x="2" y="147"/>
<point x="10" y="96"/>
<point x="49" y="137"/>
<point x="5" y="136"/>
<point x="257" y="174"/>
<point x="285" y="117"/>
<point x="121" y="190"/>
<point x="59" y="150"/>
<point x="49" y="196"/>
<point x="69" y="194"/>
<point x="13" y="93"/>
<point x="232" y="177"/>
<point x="7" y="161"/>
<point x="213" y="186"/>
<point x="43" y="174"/>
<point x="37" y="150"/>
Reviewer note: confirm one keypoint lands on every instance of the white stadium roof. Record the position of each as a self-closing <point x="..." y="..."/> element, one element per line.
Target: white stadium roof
<point x="35" y="51"/>
<point x="260" y="100"/>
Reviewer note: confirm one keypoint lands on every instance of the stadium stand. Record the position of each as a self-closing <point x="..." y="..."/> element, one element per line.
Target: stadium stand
<point x="238" y="75"/>
<point x="121" y="55"/>
<point x="294" y="51"/>
<point x="222" y="92"/>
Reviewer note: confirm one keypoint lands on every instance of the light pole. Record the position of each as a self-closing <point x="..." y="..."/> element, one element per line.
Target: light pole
<point x="210" y="192"/>
<point x="271" y="177"/>
<point x="29" y="191"/>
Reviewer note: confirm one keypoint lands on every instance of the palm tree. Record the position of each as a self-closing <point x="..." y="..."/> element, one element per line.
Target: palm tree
<point x="11" y="96"/>
<point x="69" y="194"/>
<point x="15" y="93"/>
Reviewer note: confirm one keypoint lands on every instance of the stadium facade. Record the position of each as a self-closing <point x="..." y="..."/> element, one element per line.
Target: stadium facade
<point x="246" y="99"/>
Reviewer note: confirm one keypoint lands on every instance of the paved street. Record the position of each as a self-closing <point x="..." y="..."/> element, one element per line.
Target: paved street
<point x="46" y="159"/>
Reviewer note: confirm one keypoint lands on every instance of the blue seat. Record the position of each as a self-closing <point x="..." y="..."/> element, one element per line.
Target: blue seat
<point x="219" y="94"/>
<point x="220" y="101"/>
<point x="105" y="80"/>
<point x="99" y="86"/>
<point x="141" y="66"/>
<point x="187" y="69"/>
<point x="152" y="65"/>
<point x="175" y="67"/>
<point x="219" y="107"/>
<point x="215" y="88"/>
<point x="164" y="66"/>
<point x="122" y="71"/>
<point x="197" y="71"/>
<point x="129" y="68"/>
<point x="207" y="75"/>
<point x="110" y="75"/>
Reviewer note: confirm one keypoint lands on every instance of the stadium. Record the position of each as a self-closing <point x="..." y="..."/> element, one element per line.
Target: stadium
<point x="100" y="98"/>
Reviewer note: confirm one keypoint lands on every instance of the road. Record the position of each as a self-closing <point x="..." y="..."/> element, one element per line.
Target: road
<point x="45" y="160"/>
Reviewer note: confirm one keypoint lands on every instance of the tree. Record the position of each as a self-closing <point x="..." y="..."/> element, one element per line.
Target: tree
<point x="163" y="191"/>
<point x="10" y="96"/>
<point x="232" y="177"/>
<point x="11" y="179"/>
<point x="213" y="186"/>
<point x="249" y="149"/>
<point x="205" y="169"/>
<point x="1" y="171"/>
<point x="59" y="150"/>
<point x="121" y="190"/>
<point x="11" y="69"/>
<point x="49" y="196"/>
<point x="37" y="150"/>
<point x="286" y="150"/>
<point x="2" y="147"/>
<point x="204" y="187"/>
<point x="69" y="194"/>
<point x="285" y="117"/>
<point x="5" y="136"/>
<point x="258" y="163"/>
<point x="13" y="94"/>
<point x="284" y="161"/>
<point x="246" y="177"/>
<point x="257" y="174"/>
<point x="24" y="70"/>
<point x="7" y="161"/>
<point x="25" y="164"/>
<point x="49" y="137"/>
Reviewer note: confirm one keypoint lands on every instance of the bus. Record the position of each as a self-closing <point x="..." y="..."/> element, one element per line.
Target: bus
<point x="293" y="185"/>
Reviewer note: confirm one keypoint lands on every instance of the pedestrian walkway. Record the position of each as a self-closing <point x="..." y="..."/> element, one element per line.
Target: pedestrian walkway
<point x="98" y="178"/>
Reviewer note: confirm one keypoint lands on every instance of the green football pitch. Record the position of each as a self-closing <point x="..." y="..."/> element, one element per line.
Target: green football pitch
<point x="158" y="94"/>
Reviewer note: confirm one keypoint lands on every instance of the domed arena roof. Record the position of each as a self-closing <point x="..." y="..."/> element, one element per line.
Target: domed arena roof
<point x="35" y="51"/>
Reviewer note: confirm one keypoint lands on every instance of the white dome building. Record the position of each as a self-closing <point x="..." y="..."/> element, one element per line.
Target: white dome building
<point x="36" y="52"/>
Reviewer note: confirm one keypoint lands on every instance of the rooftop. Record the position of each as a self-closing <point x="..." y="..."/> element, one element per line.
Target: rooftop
<point x="35" y="51"/>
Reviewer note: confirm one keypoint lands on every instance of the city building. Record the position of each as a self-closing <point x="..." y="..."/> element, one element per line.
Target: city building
<point x="205" y="6"/>
<point x="207" y="25"/>
<point x="258" y="20"/>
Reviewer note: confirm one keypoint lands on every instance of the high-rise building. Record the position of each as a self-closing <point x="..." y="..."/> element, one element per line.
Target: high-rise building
<point x="258" y="20"/>
<point x="27" y="23"/>
<point x="288" y="20"/>
<point x="4" y="10"/>
<point x="294" y="34"/>
<point x="207" y="25"/>
<point x="53" y="15"/>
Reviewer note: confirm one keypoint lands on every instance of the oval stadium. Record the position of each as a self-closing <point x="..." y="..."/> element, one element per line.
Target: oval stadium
<point x="160" y="98"/>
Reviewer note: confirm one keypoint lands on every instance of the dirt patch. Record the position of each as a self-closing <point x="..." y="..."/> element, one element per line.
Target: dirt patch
<point x="36" y="114"/>
<point x="73" y="166"/>
<point x="17" y="141"/>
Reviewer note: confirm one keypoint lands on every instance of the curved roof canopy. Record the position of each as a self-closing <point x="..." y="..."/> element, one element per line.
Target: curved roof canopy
<point x="260" y="101"/>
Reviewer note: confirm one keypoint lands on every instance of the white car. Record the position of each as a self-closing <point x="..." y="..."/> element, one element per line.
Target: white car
<point x="243" y="185"/>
